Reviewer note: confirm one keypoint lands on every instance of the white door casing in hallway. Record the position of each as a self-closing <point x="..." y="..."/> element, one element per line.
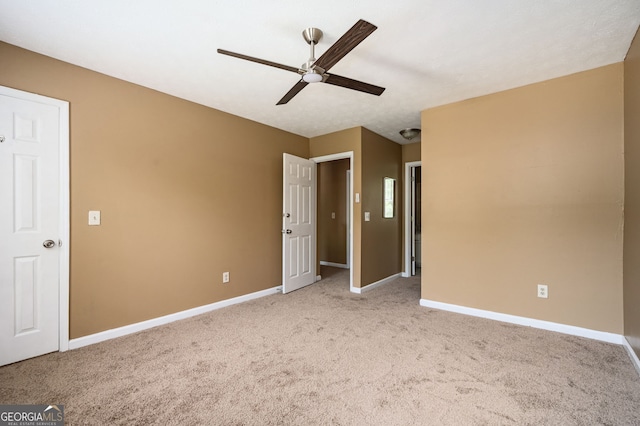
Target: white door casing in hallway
<point x="349" y="155"/>
<point x="34" y="225"/>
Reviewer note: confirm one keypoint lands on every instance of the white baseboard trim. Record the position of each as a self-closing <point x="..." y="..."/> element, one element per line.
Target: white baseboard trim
<point x="406" y="275"/>
<point x="335" y="265"/>
<point x="632" y="354"/>
<point x="144" y="325"/>
<point x="528" y="322"/>
<point x="360" y="290"/>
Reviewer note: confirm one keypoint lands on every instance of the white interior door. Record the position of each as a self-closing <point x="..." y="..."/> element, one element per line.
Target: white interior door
<point x="29" y="228"/>
<point x="298" y="223"/>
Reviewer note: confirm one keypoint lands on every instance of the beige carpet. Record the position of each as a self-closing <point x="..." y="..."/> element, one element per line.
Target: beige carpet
<point x="322" y="355"/>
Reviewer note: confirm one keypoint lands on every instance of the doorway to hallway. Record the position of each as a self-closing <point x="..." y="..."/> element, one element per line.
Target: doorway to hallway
<point x="335" y="212"/>
<point x="412" y="219"/>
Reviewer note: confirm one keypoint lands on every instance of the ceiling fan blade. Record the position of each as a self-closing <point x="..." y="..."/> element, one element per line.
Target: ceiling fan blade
<point x="361" y="30"/>
<point x="291" y="93"/>
<point x="260" y="61"/>
<point x="349" y="83"/>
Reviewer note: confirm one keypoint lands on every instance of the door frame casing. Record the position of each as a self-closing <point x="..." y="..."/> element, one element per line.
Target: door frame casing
<point x="341" y="156"/>
<point x="64" y="212"/>
<point x="407" y="215"/>
<point x="348" y="210"/>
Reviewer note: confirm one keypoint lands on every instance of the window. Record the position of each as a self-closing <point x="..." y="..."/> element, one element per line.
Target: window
<point x="389" y="195"/>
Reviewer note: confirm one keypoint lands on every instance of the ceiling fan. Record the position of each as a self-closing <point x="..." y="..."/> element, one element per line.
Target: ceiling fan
<point x="315" y="71"/>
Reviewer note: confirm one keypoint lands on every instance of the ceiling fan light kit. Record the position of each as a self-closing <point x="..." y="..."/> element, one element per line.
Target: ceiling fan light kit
<point x="315" y="71"/>
<point x="312" y="76"/>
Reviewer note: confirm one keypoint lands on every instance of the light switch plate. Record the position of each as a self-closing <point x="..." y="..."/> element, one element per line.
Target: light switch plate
<point x="367" y="216"/>
<point x="94" y="217"/>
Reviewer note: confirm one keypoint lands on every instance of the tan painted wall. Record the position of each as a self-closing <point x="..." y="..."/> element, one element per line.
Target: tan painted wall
<point x="332" y="211"/>
<point x="177" y="208"/>
<point x="335" y="143"/>
<point x="381" y="238"/>
<point x="525" y="187"/>
<point x="411" y="152"/>
<point x="632" y="195"/>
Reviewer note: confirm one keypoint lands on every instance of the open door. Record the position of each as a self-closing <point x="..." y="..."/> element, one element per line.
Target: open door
<point x="31" y="213"/>
<point x="298" y="223"/>
<point x="413" y="221"/>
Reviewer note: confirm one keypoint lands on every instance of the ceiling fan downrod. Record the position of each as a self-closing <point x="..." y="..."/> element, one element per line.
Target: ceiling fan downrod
<point x="312" y="75"/>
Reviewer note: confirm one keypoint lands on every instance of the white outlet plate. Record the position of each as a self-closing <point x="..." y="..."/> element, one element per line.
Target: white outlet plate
<point x="543" y="291"/>
<point x="94" y="217"/>
<point x="225" y="277"/>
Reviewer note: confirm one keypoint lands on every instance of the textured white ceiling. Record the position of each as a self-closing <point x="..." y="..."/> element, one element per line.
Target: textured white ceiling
<point x="425" y="52"/>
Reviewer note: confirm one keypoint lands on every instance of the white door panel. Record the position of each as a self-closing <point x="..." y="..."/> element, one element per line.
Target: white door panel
<point x="298" y="223"/>
<point x="29" y="215"/>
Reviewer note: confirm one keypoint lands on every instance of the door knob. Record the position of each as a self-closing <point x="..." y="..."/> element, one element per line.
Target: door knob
<point x="49" y="244"/>
<point x="288" y="231"/>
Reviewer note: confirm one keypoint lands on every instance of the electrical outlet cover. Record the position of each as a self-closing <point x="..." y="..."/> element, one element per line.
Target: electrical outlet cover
<point x="543" y="291"/>
<point x="94" y="217"/>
